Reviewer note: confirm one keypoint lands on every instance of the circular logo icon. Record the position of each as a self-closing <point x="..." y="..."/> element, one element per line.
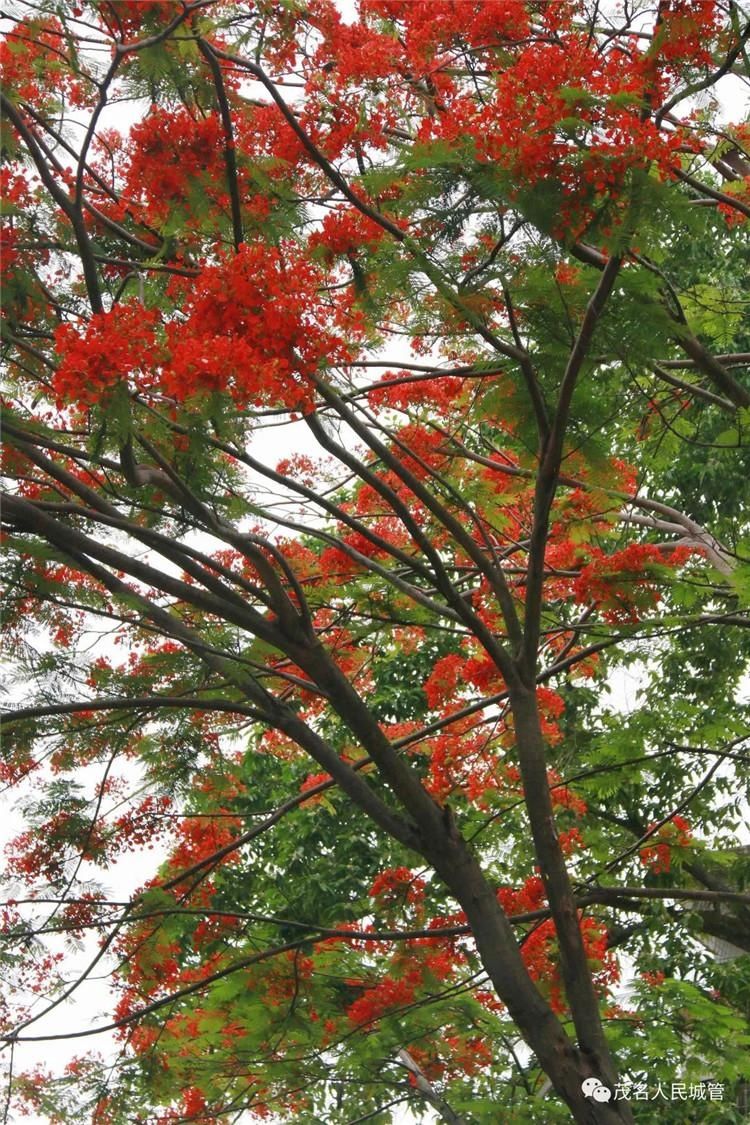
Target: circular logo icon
<point x="594" y="1088"/>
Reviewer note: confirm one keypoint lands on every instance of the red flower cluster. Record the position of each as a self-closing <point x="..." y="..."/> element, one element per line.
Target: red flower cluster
<point x="551" y="707"/>
<point x="467" y="761"/>
<point x="201" y="837"/>
<point x="112" y="349"/>
<point x="432" y="26"/>
<point x="411" y="970"/>
<point x="251" y="326"/>
<point x="563" y="797"/>
<point x="564" y="111"/>
<point x="384" y="997"/>
<point x="254" y="327"/>
<point x="451" y="1056"/>
<point x="688" y="29"/>
<point x="402" y="390"/>
<point x="126" y="18"/>
<point x="33" y="65"/>
<point x="541" y="957"/>
<point x="312" y="781"/>
<point x="675" y="833"/>
<point x="531" y="896"/>
<point x="444" y="679"/>
<point x="623" y="584"/>
<point x="143" y="825"/>
<point x="345" y="232"/>
<point x="398" y="886"/>
<point x="169" y="155"/>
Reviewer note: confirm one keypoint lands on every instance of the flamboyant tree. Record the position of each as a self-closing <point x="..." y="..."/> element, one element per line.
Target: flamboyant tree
<point x="376" y="404"/>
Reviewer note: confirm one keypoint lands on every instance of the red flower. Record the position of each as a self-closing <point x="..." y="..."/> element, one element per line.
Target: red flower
<point x="675" y="833"/>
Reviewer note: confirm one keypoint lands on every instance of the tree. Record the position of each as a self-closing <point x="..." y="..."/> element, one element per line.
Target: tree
<point x="376" y="401"/>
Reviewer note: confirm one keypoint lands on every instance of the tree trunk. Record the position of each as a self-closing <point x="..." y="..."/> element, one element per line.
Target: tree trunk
<point x="566" y="1065"/>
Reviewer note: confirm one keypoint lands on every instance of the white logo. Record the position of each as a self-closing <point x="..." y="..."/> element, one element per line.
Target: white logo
<point x="595" y="1089"/>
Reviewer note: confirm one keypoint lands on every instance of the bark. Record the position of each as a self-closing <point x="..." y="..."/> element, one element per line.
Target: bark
<point x="441" y="844"/>
<point x="566" y="1065"/>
